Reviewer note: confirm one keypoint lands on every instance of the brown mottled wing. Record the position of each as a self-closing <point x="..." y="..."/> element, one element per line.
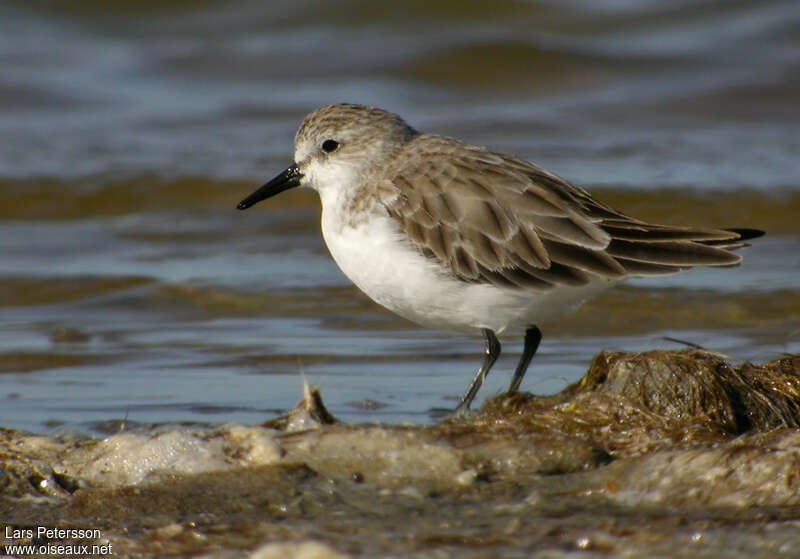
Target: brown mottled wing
<point x="492" y="218"/>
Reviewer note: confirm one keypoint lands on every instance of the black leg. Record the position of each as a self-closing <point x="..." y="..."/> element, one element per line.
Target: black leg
<point x="532" y="338"/>
<point x="492" y="351"/>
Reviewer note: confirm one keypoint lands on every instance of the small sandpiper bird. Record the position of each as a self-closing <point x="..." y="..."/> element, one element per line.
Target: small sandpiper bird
<point x="458" y="237"/>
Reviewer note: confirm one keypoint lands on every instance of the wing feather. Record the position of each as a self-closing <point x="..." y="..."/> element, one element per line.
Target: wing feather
<point x="672" y="253"/>
<point x="495" y="219"/>
<point x="647" y="232"/>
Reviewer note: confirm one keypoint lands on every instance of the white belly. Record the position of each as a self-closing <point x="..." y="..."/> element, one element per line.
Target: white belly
<point x="381" y="262"/>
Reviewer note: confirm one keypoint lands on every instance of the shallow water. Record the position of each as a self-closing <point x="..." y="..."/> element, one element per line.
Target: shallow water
<point x="131" y="288"/>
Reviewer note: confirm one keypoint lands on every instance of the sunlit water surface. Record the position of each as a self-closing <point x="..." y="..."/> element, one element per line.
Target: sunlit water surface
<point x="131" y="289"/>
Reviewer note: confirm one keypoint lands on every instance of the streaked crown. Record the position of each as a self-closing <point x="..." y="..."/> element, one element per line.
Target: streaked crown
<point x="359" y="137"/>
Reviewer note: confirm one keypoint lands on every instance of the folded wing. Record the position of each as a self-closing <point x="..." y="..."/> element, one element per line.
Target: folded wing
<point x="500" y="220"/>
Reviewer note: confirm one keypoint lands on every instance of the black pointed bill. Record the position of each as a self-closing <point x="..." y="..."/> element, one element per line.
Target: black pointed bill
<point x="286" y="180"/>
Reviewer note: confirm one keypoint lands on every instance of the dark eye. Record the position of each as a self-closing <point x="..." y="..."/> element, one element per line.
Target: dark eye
<point x="329" y="146"/>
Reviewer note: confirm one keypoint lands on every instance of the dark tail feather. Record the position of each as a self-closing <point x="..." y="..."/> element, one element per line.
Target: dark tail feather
<point x="745" y="234"/>
<point x="736" y="244"/>
<point x="645" y="249"/>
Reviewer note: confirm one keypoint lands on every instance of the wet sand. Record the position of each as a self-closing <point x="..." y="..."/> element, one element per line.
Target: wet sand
<point x="650" y="454"/>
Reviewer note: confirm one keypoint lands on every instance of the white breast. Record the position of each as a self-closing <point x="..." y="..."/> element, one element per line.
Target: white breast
<point x="380" y="260"/>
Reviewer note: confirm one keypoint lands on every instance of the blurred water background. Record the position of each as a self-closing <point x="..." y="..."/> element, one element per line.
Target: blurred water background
<point x="131" y="288"/>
